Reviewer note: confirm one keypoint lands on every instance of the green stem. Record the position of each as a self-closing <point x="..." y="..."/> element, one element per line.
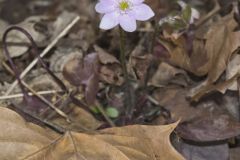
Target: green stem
<point x="102" y="111"/>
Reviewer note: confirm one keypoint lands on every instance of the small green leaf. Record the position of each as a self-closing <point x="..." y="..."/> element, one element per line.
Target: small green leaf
<point x="187" y="13"/>
<point x="112" y="112"/>
<point x="95" y="110"/>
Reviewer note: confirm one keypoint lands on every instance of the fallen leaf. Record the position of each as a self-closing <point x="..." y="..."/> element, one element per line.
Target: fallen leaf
<point x="62" y="56"/>
<point x="207" y="89"/>
<point x="112" y="74"/>
<point x="104" y="57"/>
<point x="19" y="138"/>
<point x="232" y="69"/>
<point x="230" y="102"/>
<point x="165" y="75"/>
<point x="204" y="151"/>
<point x="221" y="43"/>
<point x="13" y="12"/>
<point x="18" y="37"/>
<point x="84" y="72"/>
<point x="81" y="120"/>
<point x="125" y="143"/>
<point x="110" y="69"/>
<point x="61" y="23"/>
<point x="212" y="49"/>
<point x="210" y="128"/>
<point x="211" y="58"/>
<point x="42" y="81"/>
<point x="234" y="153"/>
<point x="140" y="60"/>
<point x="174" y="100"/>
<point x="154" y="134"/>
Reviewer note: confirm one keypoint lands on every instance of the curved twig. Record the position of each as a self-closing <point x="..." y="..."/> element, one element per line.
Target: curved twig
<point x="35" y="51"/>
<point x="15" y="70"/>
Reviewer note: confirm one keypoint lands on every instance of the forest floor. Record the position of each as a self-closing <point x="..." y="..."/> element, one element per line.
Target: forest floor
<point x="65" y="92"/>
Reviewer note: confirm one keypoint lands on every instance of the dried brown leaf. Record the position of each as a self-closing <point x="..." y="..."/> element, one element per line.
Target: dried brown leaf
<point x="19" y="138"/>
<point x="211" y="58"/>
<point x="207" y="89"/>
<point x="233" y="68"/>
<point x="165" y="75"/>
<point x="210" y="128"/>
<point x="212" y="50"/>
<point x="81" y="120"/>
<point x="139" y="65"/>
<point x="125" y="143"/>
<point x="104" y="57"/>
<point x="112" y="74"/>
<point x="18" y="37"/>
<point x="84" y="72"/>
<point x="221" y="43"/>
<point x="174" y="100"/>
<point x="199" y="151"/>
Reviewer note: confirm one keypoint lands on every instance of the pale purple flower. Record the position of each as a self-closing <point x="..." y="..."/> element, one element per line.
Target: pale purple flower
<point x="123" y="12"/>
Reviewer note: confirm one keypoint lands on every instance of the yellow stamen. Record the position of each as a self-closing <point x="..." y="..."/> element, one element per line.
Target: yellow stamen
<point x="124" y="5"/>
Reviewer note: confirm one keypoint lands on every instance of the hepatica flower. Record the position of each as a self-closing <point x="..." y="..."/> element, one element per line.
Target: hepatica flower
<point x="124" y="13"/>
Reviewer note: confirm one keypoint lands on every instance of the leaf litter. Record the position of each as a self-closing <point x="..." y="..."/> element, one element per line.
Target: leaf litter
<point x="184" y="69"/>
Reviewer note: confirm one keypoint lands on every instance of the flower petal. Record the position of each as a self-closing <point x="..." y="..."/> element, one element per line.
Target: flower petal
<point x="109" y="21"/>
<point x="195" y="15"/>
<point x="135" y="2"/>
<point x="105" y="6"/>
<point x="182" y="4"/>
<point x="128" y="23"/>
<point x="142" y="12"/>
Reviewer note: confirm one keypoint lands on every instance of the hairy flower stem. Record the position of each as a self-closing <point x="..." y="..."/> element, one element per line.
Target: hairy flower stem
<point x="129" y="98"/>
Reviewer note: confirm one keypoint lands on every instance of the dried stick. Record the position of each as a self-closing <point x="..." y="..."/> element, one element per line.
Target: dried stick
<point x="215" y="10"/>
<point x="45" y="51"/>
<point x="20" y="95"/>
<point x="57" y="110"/>
<point x="102" y="111"/>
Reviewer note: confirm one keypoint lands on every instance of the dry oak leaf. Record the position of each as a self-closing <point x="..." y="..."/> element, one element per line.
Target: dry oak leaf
<point x="19" y="138"/>
<point x="22" y="140"/>
<point x="81" y="120"/>
<point x="123" y="143"/>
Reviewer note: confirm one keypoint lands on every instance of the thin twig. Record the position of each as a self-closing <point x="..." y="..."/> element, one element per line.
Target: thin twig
<point x="45" y="51"/>
<point x="50" y="125"/>
<point x="153" y="100"/>
<point x="102" y="111"/>
<point x="20" y="95"/>
<point x="57" y="110"/>
<point x="215" y="10"/>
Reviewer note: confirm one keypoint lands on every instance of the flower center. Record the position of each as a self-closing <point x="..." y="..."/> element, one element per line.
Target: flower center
<point x="124" y="5"/>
